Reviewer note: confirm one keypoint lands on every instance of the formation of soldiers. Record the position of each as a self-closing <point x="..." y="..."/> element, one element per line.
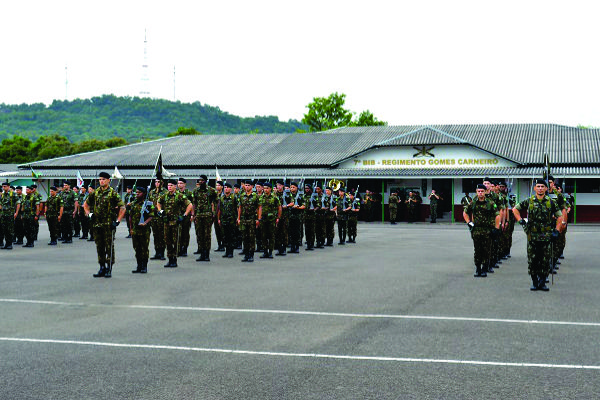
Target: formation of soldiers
<point x="491" y="217"/>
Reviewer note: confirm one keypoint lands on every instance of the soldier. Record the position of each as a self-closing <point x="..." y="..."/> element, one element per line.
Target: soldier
<point x="40" y="205"/>
<point x="76" y="222"/>
<point x="218" y="230"/>
<point x="248" y="220"/>
<point x="542" y="231"/>
<point x="10" y="204"/>
<point x="492" y="194"/>
<point x="227" y="219"/>
<point x="90" y="219"/>
<point x="342" y="209"/>
<point x="85" y="222"/>
<point x="320" y="232"/>
<point x="281" y="234"/>
<point x="312" y="203"/>
<point x="173" y="207"/>
<point x="369" y="200"/>
<point x="556" y="195"/>
<point x="104" y="204"/>
<point x="29" y="207"/>
<point x="19" y="224"/>
<point x="186" y="225"/>
<point x="236" y="228"/>
<point x="483" y="219"/>
<point x="393" y="206"/>
<point x="433" y="205"/>
<point x="70" y="204"/>
<point x="411" y="206"/>
<point x="296" y="209"/>
<point x="203" y="202"/>
<point x="269" y="216"/>
<point x="130" y="197"/>
<point x="54" y="211"/>
<point x="258" y="187"/>
<point x="329" y="204"/>
<point x="466" y="200"/>
<point x="141" y="213"/>
<point x="353" y="217"/>
<point x="158" y="226"/>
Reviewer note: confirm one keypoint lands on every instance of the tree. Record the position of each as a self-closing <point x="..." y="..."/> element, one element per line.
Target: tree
<point x="16" y="150"/>
<point x="52" y="146"/>
<point x="326" y="113"/>
<point x="366" y="118"/>
<point x="184" y="131"/>
<point x="86" y="146"/>
<point x="115" y="142"/>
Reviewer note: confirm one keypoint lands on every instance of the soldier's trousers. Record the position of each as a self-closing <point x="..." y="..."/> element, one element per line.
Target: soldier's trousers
<point x="53" y="227"/>
<point x="281" y="234"/>
<point x="539" y="257"/>
<point x="330" y="226"/>
<point x="352" y="227"/>
<point x="8" y="228"/>
<point x="141" y="243"/>
<point x="29" y="228"/>
<point x="172" y="230"/>
<point x="559" y="246"/>
<point x="295" y="229"/>
<point x="76" y="224"/>
<point x="184" y="239"/>
<point x="202" y="226"/>
<point x="229" y="235"/>
<point x="481" y="243"/>
<point x="268" y="235"/>
<point x="309" y="229"/>
<point x="393" y="214"/>
<point x="66" y="224"/>
<point x="19" y="228"/>
<point x="248" y="228"/>
<point x="85" y="225"/>
<point x="105" y="240"/>
<point x="342" y="228"/>
<point x="320" y="228"/>
<point x="433" y="211"/>
<point x="218" y="232"/>
<point x="158" y="232"/>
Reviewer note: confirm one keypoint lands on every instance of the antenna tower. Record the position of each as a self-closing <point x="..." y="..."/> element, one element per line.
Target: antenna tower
<point x="66" y="85"/>
<point x="145" y="90"/>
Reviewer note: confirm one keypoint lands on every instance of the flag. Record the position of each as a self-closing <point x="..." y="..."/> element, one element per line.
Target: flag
<point x="34" y="174"/>
<point x="79" y="179"/>
<point x="117" y="174"/>
<point x="217" y="173"/>
<point x="160" y="171"/>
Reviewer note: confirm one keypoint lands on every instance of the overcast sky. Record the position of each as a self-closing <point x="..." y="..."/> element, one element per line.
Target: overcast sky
<point x="409" y="62"/>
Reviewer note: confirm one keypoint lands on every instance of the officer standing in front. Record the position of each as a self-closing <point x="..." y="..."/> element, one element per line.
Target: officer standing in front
<point x="227" y="218"/>
<point x="204" y="205"/>
<point x="248" y="220"/>
<point x="173" y="207"/>
<point x="269" y="215"/>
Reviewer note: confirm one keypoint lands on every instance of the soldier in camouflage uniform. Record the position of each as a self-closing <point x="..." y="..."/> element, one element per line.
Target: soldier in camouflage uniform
<point x="173" y="207"/>
<point x="10" y="205"/>
<point x="108" y="210"/>
<point x="130" y="197"/>
<point x="296" y="210"/>
<point x="482" y="218"/>
<point x="248" y="220"/>
<point x="433" y="206"/>
<point x="85" y="222"/>
<point x="158" y="226"/>
<point x="258" y="187"/>
<point x="393" y="205"/>
<point x="218" y="229"/>
<point x="281" y="231"/>
<point x="90" y="219"/>
<point x="203" y="201"/>
<point x="492" y="194"/>
<point x="140" y="228"/>
<point x="238" y="234"/>
<point x="557" y="196"/>
<point x="312" y="204"/>
<point x="411" y="206"/>
<point x="30" y="208"/>
<point x="342" y="209"/>
<point x="353" y="217"/>
<point x="19" y="225"/>
<point x="186" y="225"/>
<point x="76" y="222"/>
<point x="37" y="194"/>
<point x="329" y="203"/>
<point x="269" y="215"/>
<point x="54" y="211"/>
<point x="466" y="200"/>
<point x="227" y="217"/>
<point x="71" y="205"/>
<point x="319" y="218"/>
<point x="543" y="224"/>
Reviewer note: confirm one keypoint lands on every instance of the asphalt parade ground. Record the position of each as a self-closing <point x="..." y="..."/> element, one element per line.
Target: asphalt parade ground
<point x="398" y="315"/>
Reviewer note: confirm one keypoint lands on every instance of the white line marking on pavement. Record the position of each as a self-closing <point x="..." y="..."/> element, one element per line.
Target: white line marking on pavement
<point x="315" y="313"/>
<point x="300" y="355"/>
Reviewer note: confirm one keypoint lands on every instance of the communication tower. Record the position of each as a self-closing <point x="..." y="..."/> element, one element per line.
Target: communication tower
<point x="145" y="89"/>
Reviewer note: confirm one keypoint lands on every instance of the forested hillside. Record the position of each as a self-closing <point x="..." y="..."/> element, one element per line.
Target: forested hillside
<point x="130" y="118"/>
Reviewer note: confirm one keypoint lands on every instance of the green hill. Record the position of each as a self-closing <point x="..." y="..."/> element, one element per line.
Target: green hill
<point x="130" y="118"/>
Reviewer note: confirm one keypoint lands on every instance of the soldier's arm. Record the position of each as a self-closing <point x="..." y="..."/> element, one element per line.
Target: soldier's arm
<point x="239" y="214"/>
<point x="86" y="208"/>
<point x="188" y="209"/>
<point x="279" y="208"/>
<point x="60" y="212"/>
<point x="498" y="217"/>
<point x="260" y="212"/>
<point x="121" y="213"/>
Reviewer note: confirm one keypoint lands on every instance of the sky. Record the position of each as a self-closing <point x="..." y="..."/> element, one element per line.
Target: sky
<point x="408" y="62"/>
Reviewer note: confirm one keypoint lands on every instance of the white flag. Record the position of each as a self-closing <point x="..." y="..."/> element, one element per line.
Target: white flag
<point x="217" y="173"/>
<point x="117" y="174"/>
<point x="79" y="179"/>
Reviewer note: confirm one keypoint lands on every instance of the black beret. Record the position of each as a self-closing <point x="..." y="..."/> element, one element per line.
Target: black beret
<point x="267" y="184"/>
<point x="550" y="178"/>
<point x="182" y="180"/>
<point x="259" y="183"/>
<point x="104" y="175"/>
<point x="481" y="186"/>
<point x="308" y="185"/>
<point x="140" y="189"/>
<point x="342" y="189"/>
<point x="237" y="185"/>
<point x="5" y="183"/>
<point x="487" y="179"/>
<point x="541" y="182"/>
<point x="128" y="187"/>
<point x="66" y="183"/>
<point x="91" y="187"/>
<point x="34" y="186"/>
<point x="280" y="182"/>
<point x="220" y="183"/>
<point x="53" y="188"/>
<point x="203" y="177"/>
<point x="227" y="184"/>
<point x="172" y="182"/>
<point x="293" y="183"/>
<point x="501" y="183"/>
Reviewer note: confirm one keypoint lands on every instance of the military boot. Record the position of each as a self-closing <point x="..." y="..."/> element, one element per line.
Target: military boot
<point x="138" y="269"/>
<point x="202" y="256"/>
<point x="542" y="283"/>
<point x="270" y="254"/>
<point x="230" y="252"/>
<point x="246" y="255"/>
<point x="144" y="268"/>
<point x="534" y="283"/>
<point x="251" y="257"/>
<point x="265" y="254"/>
<point x="281" y="251"/>
<point x="478" y="271"/>
<point x="206" y="255"/>
<point x="101" y="272"/>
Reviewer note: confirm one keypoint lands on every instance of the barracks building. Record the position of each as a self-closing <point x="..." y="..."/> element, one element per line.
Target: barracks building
<point x="452" y="159"/>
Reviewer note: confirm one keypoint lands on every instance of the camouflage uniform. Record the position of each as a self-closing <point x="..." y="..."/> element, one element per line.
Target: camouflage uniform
<point x="353" y="220"/>
<point x="228" y="211"/>
<point x="128" y="200"/>
<point x="465" y="201"/>
<point x="270" y="210"/>
<point x="85" y="222"/>
<point x="320" y="221"/>
<point x="483" y="215"/>
<point x="53" y="206"/>
<point x="312" y="203"/>
<point x="281" y="235"/>
<point x="105" y="205"/>
<point x="186" y="225"/>
<point x="433" y="207"/>
<point x="9" y="202"/>
<point x="495" y="244"/>
<point x="248" y="207"/>
<point x="29" y="207"/>
<point x="174" y="206"/>
<point x="328" y="203"/>
<point x="158" y="226"/>
<point x="218" y="229"/>
<point x="295" y="226"/>
<point x="393" y="205"/>
<point x="76" y="220"/>
<point x="343" y="202"/>
<point x="19" y="223"/>
<point x="140" y="238"/>
<point x="203" y="200"/>
<point x="541" y="216"/>
<point x="411" y="207"/>
<point x="69" y="198"/>
<point x="562" y="238"/>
